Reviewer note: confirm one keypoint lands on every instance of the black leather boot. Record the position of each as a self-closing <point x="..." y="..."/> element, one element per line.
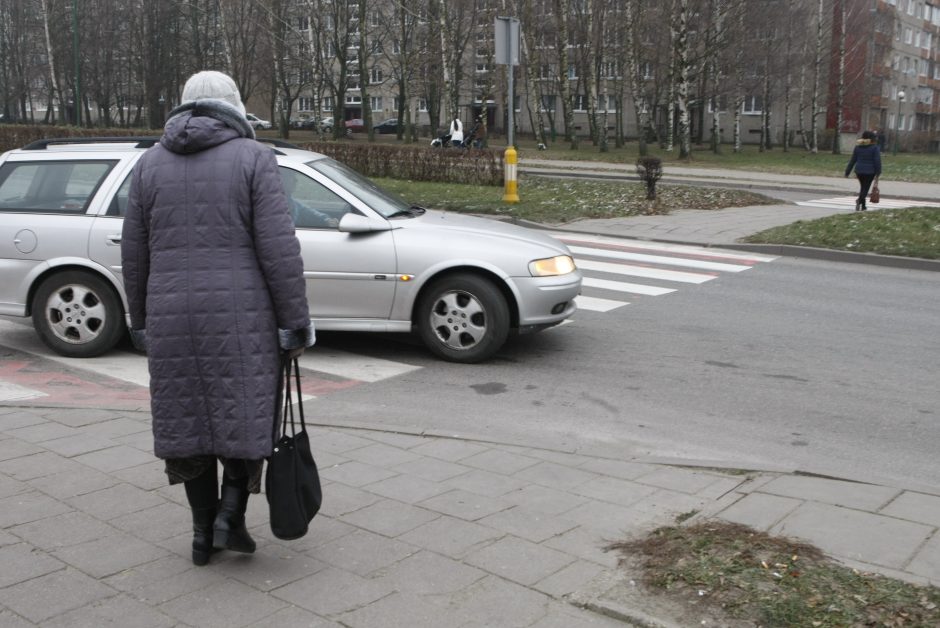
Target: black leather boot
<point x="229" y="531"/>
<point x="203" y="496"/>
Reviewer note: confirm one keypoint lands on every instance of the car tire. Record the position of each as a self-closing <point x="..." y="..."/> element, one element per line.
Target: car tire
<point x="463" y="318"/>
<point x="78" y="314"/>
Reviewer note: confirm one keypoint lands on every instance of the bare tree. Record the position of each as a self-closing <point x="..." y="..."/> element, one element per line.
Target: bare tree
<point x="681" y="63"/>
<point x="562" y="14"/>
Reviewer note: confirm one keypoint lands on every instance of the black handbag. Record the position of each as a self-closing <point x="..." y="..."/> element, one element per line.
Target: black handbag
<point x="292" y="483"/>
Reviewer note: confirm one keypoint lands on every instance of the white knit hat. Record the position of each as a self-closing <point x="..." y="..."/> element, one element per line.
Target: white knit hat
<point x="212" y="84"/>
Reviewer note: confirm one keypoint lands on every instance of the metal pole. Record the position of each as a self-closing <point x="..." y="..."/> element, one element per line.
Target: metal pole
<point x="509" y="69"/>
<point x="78" y="67"/>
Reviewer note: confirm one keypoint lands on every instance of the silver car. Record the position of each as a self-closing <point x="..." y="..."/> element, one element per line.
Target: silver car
<point x="372" y="262"/>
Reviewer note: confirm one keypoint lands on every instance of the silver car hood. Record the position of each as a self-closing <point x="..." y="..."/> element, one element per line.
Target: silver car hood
<point x="461" y="223"/>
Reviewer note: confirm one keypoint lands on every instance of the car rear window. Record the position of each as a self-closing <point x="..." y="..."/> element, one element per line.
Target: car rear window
<point x="58" y="187"/>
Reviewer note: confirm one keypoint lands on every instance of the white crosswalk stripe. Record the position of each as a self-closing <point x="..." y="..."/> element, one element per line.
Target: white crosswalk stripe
<point x="848" y="203"/>
<point x="657" y="262"/>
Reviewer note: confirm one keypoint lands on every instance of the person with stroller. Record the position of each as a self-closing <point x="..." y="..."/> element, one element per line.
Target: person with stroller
<point x="456" y="132"/>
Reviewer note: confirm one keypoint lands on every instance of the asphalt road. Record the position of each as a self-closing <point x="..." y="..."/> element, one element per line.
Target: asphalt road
<point x="819" y="366"/>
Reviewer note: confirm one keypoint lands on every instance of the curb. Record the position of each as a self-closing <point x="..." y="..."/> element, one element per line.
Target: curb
<point x="784" y="250"/>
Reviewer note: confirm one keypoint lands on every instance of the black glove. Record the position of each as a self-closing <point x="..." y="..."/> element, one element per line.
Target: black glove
<point x="291" y="354"/>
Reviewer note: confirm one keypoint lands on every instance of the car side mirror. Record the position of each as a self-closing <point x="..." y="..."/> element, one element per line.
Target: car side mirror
<point x="357" y="223"/>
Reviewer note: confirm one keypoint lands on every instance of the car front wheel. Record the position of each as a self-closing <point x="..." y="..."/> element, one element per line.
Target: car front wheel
<point x="77" y="314"/>
<point x="463" y="318"/>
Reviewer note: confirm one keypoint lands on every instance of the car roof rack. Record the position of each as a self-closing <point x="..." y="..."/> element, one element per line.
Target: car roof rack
<point x="277" y="143"/>
<point x="141" y="142"/>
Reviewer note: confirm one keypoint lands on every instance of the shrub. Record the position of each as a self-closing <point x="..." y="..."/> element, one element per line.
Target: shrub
<point x="650" y="170"/>
<point x="417" y="163"/>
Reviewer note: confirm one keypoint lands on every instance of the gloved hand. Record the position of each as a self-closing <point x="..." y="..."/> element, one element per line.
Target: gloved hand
<point x="291" y="354"/>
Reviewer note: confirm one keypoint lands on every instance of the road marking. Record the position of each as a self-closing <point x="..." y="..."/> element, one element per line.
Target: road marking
<point x="848" y="203"/>
<point x="595" y="304"/>
<point x="13" y="392"/>
<point x="659" y="259"/>
<point x="353" y="365"/>
<point x="665" y="247"/>
<point x="643" y="271"/>
<point x="621" y="286"/>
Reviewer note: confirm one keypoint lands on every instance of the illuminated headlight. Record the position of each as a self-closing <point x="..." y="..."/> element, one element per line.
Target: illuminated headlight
<point x="558" y="265"/>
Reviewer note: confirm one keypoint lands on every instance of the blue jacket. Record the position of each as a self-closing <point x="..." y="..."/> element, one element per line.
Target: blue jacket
<point x="867" y="160"/>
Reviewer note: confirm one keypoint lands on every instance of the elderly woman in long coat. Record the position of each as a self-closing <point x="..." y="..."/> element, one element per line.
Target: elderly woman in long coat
<point x="216" y="292"/>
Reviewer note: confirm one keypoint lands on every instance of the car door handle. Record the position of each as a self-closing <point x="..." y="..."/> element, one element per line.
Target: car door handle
<point x="114" y="238"/>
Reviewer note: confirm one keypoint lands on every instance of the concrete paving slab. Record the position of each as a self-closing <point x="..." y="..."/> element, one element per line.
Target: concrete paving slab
<point x="41" y="432"/>
<point x="554" y="475"/>
<point x="148" y="476"/>
<point x="531" y="525"/>
<point x="142" y="576"/>
<point x="858" y="535"/>
<point x="406" y="488"/>
<point x="381" y="455"/>
<point x="295" y="618"/>
<point x="114" y="458"/>
<point x="926" y="561"/>
<point x="429" y="573"/>
<point x="12" y="418"/>
<point x="448" y="449"/>
<point x="569" y="579"/>
<point x="398" y="610"/>
<point x="614" y="490"/>
<point x="32" y="600"/>
<point x="545" y="500"/>
<point x="30" y="506"/>
<point x="151" y="584"/>
<point x="485" y="483"/>
<point x="355" y="473"/>
<point x="74" y="483"/>
<point x="120" y="611"/>
<point x="622" y="469"/>
<point x="115" y="501"/>
<point x="13" y="448"/>
<point x="109" y="555"/>
<point x="451" y="536"/>
<point x="155" y="524"/>
<point x="835" y="492"/>
<point x="77" y="444"/>
<point x="389" y="517"/>
<point x="496" y="602"/>
<point x="433" y="469"/>
<point x="466" y="505"/>
<point x="224" y="605"/>
<point x="333" y="591"/>
<point x="682" y="480"/>
<point x="275" y="567"/>
<point x="913" y="506"/>
<point x="499" y="461"/>
<point x="70" y="528"/>
<point x="340" y="499"/>
<point x="519" y="560"/>
<point x="759" y="511"/>
<point x="38" y="465"/>
<point x="22" y="562"/>
<point x="362" y="552"/>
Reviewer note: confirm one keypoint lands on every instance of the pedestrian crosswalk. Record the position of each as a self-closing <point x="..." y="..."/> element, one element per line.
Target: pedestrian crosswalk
<point x="616" y="269"/>
<point x="848" y="203"/>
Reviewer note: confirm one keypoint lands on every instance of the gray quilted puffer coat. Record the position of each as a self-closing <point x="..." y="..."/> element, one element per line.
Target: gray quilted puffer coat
<point x="214" y="283"/>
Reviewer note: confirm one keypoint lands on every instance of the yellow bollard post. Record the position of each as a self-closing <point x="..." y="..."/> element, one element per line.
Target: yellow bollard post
<point x="510" y="159"/>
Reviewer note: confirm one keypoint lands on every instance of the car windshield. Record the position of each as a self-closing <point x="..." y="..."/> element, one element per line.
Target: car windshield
<point x="362" y="188"/>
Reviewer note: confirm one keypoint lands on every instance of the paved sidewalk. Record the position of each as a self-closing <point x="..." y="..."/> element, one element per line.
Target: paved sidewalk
<point x="725" y="227"/>
<point x="415" y="531"/>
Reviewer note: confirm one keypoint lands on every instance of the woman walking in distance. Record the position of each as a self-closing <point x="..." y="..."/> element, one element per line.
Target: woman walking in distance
<point x="216" y="294"/>
<point x="866" y="159"/>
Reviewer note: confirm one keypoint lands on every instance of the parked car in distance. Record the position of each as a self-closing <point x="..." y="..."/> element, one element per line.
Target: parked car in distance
<point x="387" y="126"/>
<point x="257" y="123"/>
<point x="372" y="263"/>
<point x="326" y="124"/>
<point x="355" y="126"/>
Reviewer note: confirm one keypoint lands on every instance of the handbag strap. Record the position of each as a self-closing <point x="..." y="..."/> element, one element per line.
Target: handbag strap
<point x="300" y="398"/>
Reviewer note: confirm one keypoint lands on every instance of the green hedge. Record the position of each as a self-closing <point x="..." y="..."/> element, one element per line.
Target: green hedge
<point x="413" y="163"/>
<point x="417" y="163"/>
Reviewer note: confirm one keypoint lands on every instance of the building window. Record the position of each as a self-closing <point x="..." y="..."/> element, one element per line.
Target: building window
<point x="722" y="104"/>
<point x="482" y="67"/>
<point x="580" y="102"/>
<point x="305" y="103"/>
<point x="328" y="103"/>
<point x="353" y="99"/>
<point x="376" y="103"/>
<point x="422" y="104"/>
<point x="548" y="102"/>
<point x="908" y="35"/>
<point x="572" y="72"/>
<point x="375" y="76"/>
<point x="753" y="105"/>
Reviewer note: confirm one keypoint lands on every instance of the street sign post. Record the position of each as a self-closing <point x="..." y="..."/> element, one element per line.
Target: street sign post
<point x="506" y="40"/>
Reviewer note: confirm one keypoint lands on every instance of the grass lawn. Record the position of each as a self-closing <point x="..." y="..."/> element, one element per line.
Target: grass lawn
<point x="911" y="232"/>
<point x="914" y="167"/>
<point x="554" y="201"/>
